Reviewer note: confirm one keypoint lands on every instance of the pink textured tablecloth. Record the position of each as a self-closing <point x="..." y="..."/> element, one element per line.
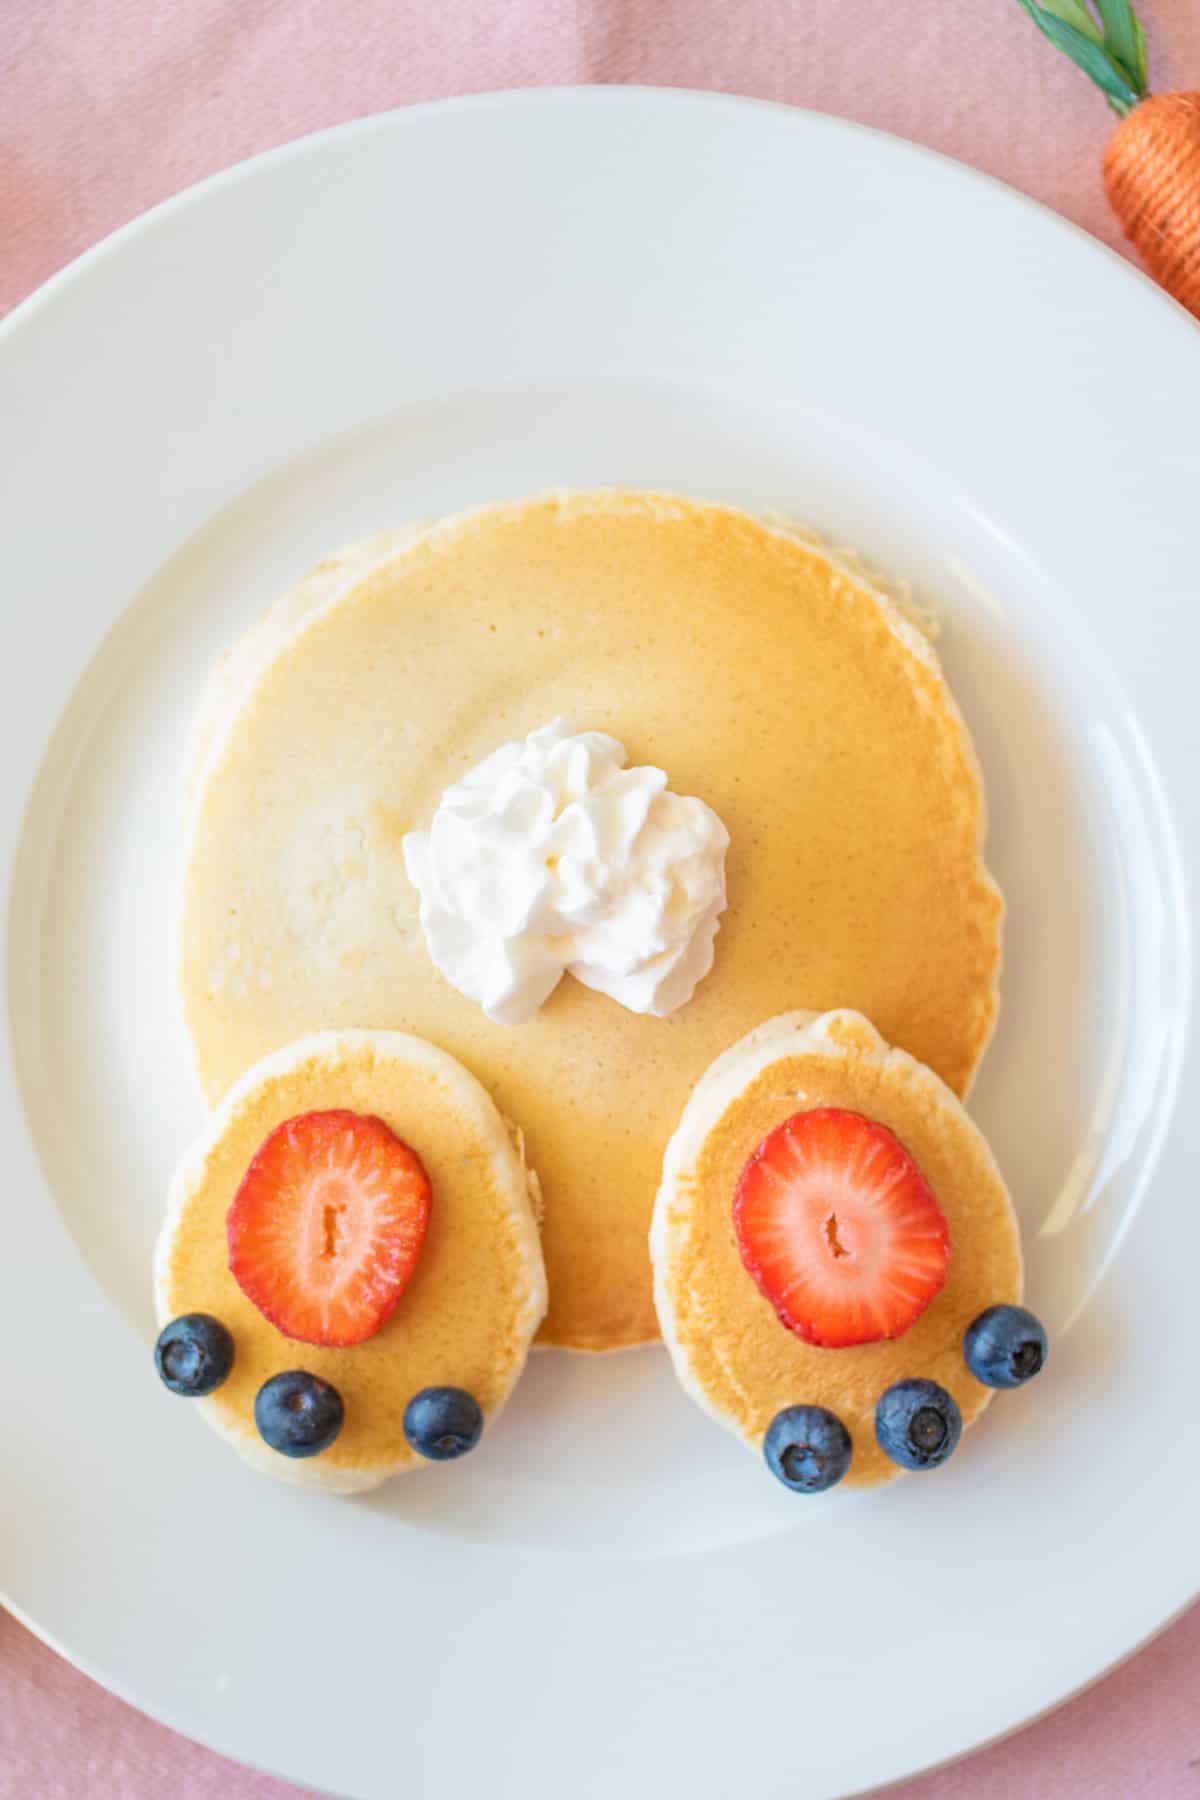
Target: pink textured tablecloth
<point x="110" y="105"/>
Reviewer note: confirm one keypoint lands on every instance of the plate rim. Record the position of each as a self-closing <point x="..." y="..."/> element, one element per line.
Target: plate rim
<point x="601" y="93"/>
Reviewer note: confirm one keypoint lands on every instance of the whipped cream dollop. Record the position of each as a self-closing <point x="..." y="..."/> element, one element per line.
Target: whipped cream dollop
<point x="551" y="857"/>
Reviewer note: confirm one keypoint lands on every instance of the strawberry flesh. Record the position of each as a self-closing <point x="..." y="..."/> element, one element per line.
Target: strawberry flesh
<point x="327" y="1226"/>
<point x="839" y="1229"/>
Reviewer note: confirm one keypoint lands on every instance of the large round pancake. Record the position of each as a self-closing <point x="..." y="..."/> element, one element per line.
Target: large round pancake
<point x="470" y="1310"/>
<point x="730" y="1350"/>
<point x="762" y="674"/>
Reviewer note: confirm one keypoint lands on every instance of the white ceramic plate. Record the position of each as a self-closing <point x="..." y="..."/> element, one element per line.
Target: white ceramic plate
<point x="480" y="300"/>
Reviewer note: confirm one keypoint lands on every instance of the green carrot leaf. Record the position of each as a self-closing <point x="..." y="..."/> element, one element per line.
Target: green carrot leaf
<point x="1076" y="13"/>
<point x="1095" y="59"/>
<point x="1123" y="35"/>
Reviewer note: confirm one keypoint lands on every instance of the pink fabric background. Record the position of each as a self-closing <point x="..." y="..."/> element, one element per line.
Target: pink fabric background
<point x="107" y="108"/>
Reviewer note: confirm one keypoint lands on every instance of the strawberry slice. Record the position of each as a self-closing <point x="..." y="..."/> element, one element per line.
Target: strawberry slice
<point x="327" y="1226"/>
<point x="840" y="1229"/>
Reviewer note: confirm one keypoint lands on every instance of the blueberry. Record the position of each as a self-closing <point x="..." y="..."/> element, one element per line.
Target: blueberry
<point x="443" y="1422"/>
<point x="298" y="1414"/>
<point x="918" y="1424"/>
<point x="1005" y="1346"/>
<point x="193" y="1354"/>
<point x="807" y="1448"/>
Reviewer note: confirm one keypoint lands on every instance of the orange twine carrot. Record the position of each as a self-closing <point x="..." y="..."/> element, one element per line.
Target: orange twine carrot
<point x="1151" y="164"/>
<point x="1152" y="179"/>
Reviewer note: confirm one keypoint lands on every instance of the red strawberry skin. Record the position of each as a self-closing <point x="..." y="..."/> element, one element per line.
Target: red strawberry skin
<point x="327" y="1227"/>
<point x="839" y="1229"/>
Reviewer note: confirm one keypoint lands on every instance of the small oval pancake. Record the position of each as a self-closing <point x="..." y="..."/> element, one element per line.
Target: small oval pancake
<point x="729" y="1349"/>
<point x="761" y="673"/>
<point x="475" y="1299"/>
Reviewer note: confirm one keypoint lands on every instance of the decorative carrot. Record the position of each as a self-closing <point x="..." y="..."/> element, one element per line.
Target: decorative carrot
<point x="1152" y="160"/>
